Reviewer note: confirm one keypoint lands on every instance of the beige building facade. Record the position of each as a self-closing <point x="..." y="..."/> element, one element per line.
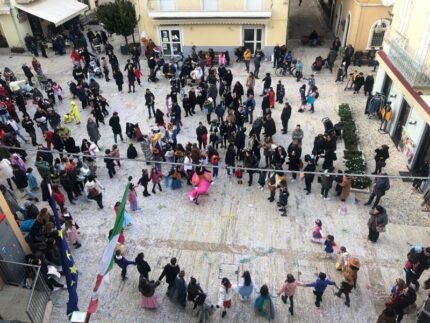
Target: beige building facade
<point x="21" y="17"/>
<point x="177" y="25"/>
<point x="361" y="23"/>
<point x="404" y="79"/>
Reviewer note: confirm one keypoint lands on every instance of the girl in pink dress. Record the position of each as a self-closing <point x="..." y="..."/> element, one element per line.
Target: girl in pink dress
<point x="147" y="288"/>
<point x="132" y="195"/>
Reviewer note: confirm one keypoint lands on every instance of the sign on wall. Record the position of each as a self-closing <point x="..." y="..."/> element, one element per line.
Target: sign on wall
<point x="407" y="146"/>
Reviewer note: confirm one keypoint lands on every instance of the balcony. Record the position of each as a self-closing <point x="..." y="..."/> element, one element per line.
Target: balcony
<point x="417" y="75"/>
<point x="184" y="9"/>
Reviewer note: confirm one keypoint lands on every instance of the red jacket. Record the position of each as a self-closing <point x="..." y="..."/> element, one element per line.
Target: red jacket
<point x="137" y="73"/>
<point x="58" y="197"/>
<point x="272" y="98"/>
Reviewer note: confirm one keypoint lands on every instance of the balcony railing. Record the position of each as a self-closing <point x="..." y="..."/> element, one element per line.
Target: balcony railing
<point x="37" y="291"/>
<point x="418" y="75"/>
<point x="160" y="9"/>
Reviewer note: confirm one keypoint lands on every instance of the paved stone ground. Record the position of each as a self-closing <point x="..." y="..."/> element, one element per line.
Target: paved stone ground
<point x="234" y="227"/>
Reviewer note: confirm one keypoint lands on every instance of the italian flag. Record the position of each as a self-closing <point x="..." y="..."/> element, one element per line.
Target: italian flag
<point x="108" y="254"/>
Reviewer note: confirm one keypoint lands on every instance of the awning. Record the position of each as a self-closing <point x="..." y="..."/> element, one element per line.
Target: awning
<point x="55" y="11"/>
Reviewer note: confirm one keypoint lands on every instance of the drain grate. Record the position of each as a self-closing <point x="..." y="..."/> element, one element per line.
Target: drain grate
<point x="406" y="180"/>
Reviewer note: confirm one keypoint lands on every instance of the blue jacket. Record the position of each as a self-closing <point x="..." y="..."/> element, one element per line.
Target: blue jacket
<point x="320" y="285"/>
<point x="123" y="263"/>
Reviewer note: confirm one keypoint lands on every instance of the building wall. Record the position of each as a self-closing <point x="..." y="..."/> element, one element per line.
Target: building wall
<point x="364" y="14"/>
<point x="220" y="35"/>
<point x="416" y="22"/>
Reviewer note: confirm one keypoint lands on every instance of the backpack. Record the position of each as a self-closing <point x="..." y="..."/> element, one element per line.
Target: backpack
<point x="317" y="95"/>
<point x="93" y="192"/>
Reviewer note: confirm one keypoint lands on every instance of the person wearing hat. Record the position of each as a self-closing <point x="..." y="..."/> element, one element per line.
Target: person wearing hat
<point x="320" y="286"/>
<point x="114" y="123"/>
<point x="350" y="279"/>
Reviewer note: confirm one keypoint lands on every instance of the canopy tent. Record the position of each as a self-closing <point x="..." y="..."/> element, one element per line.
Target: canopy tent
<point x="57" y="12"/>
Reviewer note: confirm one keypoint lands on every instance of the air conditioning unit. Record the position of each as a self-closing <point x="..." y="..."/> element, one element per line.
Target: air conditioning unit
<point x="24" y="1"/>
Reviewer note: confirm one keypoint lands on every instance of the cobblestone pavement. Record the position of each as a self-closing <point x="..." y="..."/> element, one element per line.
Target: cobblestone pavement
<point x="235" y="228"/>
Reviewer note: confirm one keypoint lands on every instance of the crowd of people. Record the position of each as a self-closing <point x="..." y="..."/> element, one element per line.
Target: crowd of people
<point x="233" y="133"/>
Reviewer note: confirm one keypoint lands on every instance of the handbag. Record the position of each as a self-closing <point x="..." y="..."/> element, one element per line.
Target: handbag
<point x="380" y="228"/>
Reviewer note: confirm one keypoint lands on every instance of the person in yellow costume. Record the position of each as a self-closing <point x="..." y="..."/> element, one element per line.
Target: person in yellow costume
<point x="74" y="112"/>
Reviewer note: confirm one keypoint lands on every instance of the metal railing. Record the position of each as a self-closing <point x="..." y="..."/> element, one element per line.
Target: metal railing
<point x="28" y="276"/>
<point x="417" y="75"/>
<point x="207" y="6"/>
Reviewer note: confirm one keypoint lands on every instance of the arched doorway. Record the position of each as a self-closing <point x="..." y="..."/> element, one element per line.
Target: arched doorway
<point x="338" y="19"/>
<point x="377" y="33"/>
<point x="346" y="30"/>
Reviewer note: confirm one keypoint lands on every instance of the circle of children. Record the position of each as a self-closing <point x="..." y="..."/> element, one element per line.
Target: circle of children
<point x="74" y="172"/>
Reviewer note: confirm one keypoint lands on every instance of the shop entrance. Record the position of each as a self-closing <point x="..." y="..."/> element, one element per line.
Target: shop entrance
<point x="424" y="151"/>
<point x="405" y="110"/>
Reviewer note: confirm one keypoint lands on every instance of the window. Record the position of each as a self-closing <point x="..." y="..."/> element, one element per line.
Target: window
<point x="252" y="38"/>
<point x="424" y="44"/>
<point x="167" y="5"/>
<point x="377" y="33"/>
<point x="170" y="41"/>
<point x="254" y="5"/>
<point x="210" y="5"/>
<point x="405" y="16"/>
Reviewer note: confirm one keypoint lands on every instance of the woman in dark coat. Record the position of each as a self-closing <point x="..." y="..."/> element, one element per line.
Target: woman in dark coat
<point x="21" y="182"/>
<point x="406" y="298"/>
<point x="381" y="156"/>
<point x="93" y="131"/>
<point x="119" y="79"/>
<point x="238" y="91"/>
<point x="142" y="266"/>
<point x="230" y="158"/>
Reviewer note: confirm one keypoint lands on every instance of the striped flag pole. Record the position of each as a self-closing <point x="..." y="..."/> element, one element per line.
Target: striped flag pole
<point x="107" y="259"/>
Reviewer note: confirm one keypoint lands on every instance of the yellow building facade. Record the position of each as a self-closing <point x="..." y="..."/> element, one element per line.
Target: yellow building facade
<point x="404" y="79"/>
<point x="21" y="17"/>
<point x="361" y="23"/>
<point x="177" y="25"/>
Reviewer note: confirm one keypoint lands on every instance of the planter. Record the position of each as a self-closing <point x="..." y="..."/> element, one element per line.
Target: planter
<point x="17" y="50"/>
<point x="353" y="158"/>
<point x="124" y="49"/>
<point x="361" y="190"/>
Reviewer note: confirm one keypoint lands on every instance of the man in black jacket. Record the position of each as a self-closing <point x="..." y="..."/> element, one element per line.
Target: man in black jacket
<point x="116" y="126"/>
<point x="269" y="126"/>
<point x="170" y="271"/>
<point x="150" y="102"/>
<point x="285" y="116"/>
<point x="201" y="131"/>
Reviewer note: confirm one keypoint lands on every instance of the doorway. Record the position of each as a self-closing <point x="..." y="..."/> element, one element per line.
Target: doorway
<point x="405" y="110"/>
<point x="346" y="30"/>
<point x="252" y="38"/>
<point x="424" y="151"/>
<point x="170" y="41"/>
<point x="338" y="19"/>
<point x="386" y="87"/>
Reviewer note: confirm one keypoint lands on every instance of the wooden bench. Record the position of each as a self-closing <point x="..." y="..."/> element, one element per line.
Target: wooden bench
<point x="364" y="57"/>
<point x="305" y="40"/>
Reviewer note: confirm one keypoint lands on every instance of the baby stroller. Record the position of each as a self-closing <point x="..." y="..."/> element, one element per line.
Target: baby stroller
<point x="328" y="126"/>
<point x="95" y="66"/>
<point x="97" y="45"/>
